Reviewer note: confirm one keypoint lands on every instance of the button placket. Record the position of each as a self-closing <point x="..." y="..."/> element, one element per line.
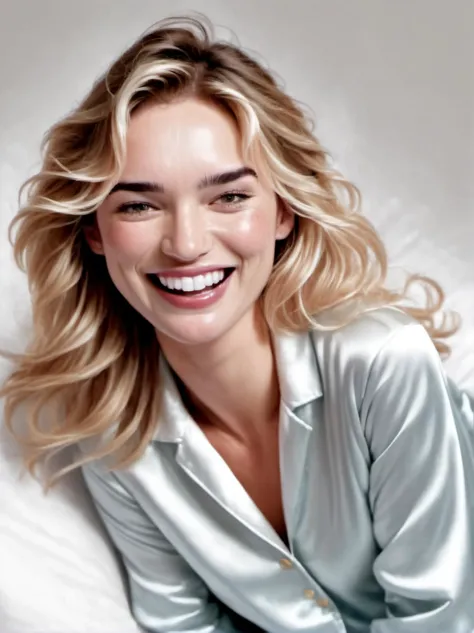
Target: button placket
<point x="285" y="563"/>
<point x="323" y="603"/>
<point x="327" y="607"/>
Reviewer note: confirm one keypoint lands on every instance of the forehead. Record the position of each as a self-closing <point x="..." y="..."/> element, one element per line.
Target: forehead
<point x="183" y="136"/>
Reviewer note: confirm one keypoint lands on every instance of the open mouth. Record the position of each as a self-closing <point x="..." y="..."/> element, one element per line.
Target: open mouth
<point x="187" y="283"/>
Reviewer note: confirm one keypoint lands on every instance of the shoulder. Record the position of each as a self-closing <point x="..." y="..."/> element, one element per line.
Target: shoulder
<point x="375" y="340"/>
<point x="89" y="453"/>
<point x="367" y="335"/>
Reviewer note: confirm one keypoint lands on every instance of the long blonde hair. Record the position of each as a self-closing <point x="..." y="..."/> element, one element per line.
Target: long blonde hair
<point x="92" y="360"/>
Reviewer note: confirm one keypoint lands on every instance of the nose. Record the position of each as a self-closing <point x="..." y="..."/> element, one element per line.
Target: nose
<point x="187" y="237"/>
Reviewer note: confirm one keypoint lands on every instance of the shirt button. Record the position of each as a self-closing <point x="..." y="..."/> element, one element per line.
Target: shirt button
<point x="285" y="563"/>
<point x="323" y="603"/>
<point x="308" y="593"/>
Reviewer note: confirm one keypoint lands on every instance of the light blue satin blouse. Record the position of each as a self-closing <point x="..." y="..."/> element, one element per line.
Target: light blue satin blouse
<point x="377" y="468"/>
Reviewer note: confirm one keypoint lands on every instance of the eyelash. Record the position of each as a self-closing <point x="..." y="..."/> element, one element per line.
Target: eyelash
<point x="136" y="208"/>
<point x="242" y="196"/>
<point x="133" y="208"/>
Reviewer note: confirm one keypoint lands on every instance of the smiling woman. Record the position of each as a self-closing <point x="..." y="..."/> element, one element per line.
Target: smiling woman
<point x="266" y="429"/>
<point x="209" y="215"/>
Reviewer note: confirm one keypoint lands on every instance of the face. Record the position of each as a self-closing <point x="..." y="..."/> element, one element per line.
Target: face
<point x="189" y="231"/>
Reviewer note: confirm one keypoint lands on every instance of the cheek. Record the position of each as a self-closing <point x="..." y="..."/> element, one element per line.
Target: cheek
<point x="253" y="233"/>
<point x="128" y="241"/>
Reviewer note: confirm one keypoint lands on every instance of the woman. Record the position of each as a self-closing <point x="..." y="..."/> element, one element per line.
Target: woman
<point x="266" y="430"/>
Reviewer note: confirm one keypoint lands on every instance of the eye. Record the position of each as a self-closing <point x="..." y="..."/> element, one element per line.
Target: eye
<point x="135" y="208"/>
<point x="233" y="198"/>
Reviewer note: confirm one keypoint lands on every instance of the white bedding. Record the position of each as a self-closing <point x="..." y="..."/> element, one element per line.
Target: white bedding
<point x="58" y="573"/>
<point x="400" y="123"/>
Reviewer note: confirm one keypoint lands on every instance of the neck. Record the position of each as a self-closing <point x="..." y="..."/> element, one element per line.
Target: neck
<point x="231" y="385"/>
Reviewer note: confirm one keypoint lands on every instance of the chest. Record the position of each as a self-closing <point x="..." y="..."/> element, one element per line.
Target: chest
<point x="257" y="469"/>
<point x="208" y="484"/>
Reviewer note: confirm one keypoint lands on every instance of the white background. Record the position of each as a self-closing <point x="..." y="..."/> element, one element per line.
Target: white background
<point x="391" y="86"/>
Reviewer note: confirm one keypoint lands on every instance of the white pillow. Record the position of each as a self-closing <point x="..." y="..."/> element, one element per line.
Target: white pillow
<point x="58" y="572"/>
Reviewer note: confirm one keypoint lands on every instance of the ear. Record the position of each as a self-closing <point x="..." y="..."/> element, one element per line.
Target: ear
<point x="93" y="238"/>
<point x="285" y="220"/>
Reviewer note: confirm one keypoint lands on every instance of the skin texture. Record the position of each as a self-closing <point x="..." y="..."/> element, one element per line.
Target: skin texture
<point x="222" y="353"/>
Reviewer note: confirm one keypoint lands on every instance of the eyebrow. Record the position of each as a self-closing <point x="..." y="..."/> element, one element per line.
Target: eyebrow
<point x="224" y="178"/>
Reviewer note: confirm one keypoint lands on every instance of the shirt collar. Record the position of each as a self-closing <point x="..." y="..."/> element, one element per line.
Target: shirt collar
<point x="298" y="373"/>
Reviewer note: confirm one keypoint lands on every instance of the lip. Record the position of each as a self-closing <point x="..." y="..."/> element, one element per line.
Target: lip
<point x="178" y="273"/>
<point x="196" y="302"/>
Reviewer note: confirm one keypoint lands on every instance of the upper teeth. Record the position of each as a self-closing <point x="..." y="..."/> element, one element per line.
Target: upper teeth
<point x="188" y="284"/>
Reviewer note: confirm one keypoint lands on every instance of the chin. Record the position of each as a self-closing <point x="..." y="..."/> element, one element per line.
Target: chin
<point x="191" y="330"/>
<point x="192" y="327"/>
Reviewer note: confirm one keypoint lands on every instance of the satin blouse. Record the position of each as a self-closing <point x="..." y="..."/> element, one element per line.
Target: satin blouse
<point x="377" y="474"/>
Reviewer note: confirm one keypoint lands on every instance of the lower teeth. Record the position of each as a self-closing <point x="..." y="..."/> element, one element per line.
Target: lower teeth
<point x="189" y="292"/>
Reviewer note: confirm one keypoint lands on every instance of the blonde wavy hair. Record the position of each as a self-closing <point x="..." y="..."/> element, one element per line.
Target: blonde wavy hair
<point x="92" y="360"/>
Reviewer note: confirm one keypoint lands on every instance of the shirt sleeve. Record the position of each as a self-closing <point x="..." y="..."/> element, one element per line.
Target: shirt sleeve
<point x="421" y="489"/>
<point x="166" y="595"/>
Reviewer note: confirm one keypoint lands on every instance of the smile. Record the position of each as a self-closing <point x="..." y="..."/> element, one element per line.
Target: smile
<point x="191" y="286"/>
<point x="182" y="290"/>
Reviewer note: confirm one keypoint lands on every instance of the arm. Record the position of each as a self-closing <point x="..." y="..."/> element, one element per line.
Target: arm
<point x="166" y="595"/>
<point x="419" y="496"/>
